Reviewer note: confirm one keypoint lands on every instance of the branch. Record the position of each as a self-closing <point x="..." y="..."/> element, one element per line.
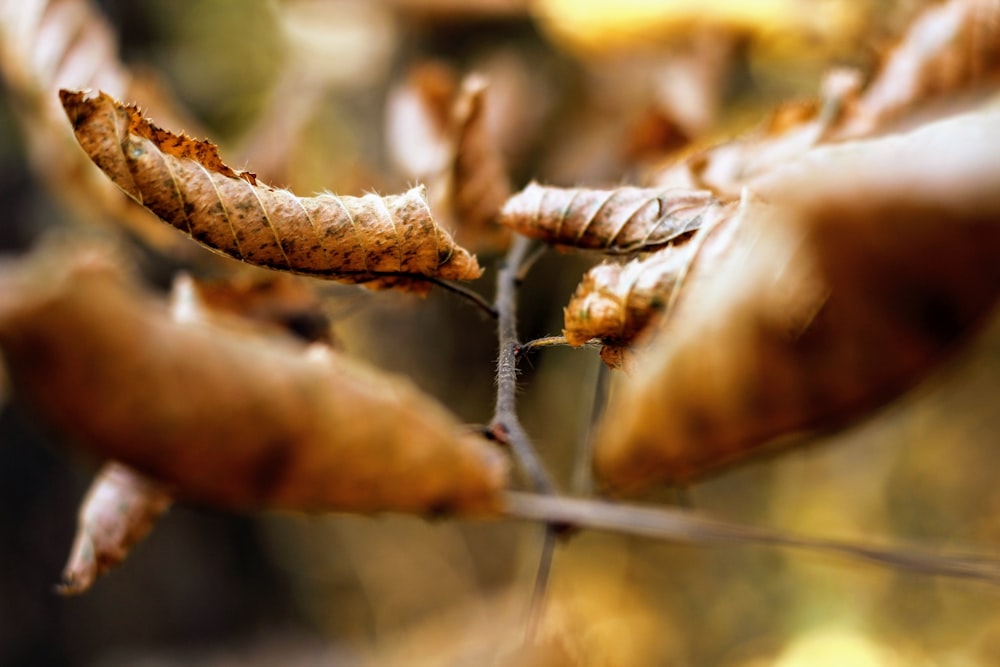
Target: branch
<point x="466" y="293"/>
<point x="505" y="427"/>
<point x="679" y="525"/>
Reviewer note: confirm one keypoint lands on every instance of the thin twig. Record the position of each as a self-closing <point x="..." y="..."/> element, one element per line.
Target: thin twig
<point x="582" y="480"/>
<point x="545" y="341"/>
<point x="529" y="260"/>
<point x="537" y="603"/>
<point x="505" y="426"/>
<point x="469" y="295"/>
<point x="680" y="525"/>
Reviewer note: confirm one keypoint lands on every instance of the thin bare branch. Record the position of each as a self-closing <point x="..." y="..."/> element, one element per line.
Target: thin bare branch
<point x="681" y="525"/>
<point x="505" y="425"/>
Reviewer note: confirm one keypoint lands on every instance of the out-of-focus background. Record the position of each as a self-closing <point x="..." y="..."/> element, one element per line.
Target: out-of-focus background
<point x="318" y="95"/>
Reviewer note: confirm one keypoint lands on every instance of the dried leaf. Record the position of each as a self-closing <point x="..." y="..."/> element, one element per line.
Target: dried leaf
<point x="228" y="417"/>
<point x="948" y="49"/>
<point x="285" y="302"/>
<point x="118" y="511"/>
<point x="418" y="119"/>
<point x="382" y="241"/>
<point x="440" y="132"/>
<point x="476" y="183"/>
<point x="870" y="263"/>
<point x="724" y="169"/>
<point x="614" y="303"/>
<point x="626" y="219"/>
<point x="48" y="44"/>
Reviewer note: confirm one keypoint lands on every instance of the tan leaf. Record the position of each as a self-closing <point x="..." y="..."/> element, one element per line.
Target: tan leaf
<point x="871" y="262"/>
<point x="48" y="44"/>
<point x="622" y="220"/>
<point x="228" y="417"/>
<point x="439" y="132"/>
<point x="418" y="119"/>
<point x="379" y="241"/>
<point x="614" y="303"/>
<point x="118" y="511"/>
<point x="285" y="302"/>
<point x="475" y="183"/>
<point x="948" y="49"/>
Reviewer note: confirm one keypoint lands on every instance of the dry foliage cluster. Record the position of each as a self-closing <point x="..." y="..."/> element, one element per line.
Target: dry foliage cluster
<point x="751" y="292"/>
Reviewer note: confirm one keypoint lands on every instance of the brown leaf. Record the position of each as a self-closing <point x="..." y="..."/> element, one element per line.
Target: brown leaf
<point x="791" y="130"/>
<point x="118" y="511"/>
<point x="418" y="119"/>
<point x="285" y="302"/>
<point x="614" y="303"/>
<point x="223" y="416"/>
<point x="381" y="241"/>
<point x="626" y="219"/>
<point x="476" y="183"/>
<point x="948" y="48"/>
<point x="48" y="44"/>
<point x="870" y="263"/>
<point x="439" y="132"/>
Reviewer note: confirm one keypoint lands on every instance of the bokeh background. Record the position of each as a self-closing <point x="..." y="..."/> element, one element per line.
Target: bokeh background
<point x="302" y="92"/>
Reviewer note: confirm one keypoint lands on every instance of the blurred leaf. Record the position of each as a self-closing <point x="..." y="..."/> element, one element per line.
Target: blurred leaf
<point x="475" y="183"/>
<point x="949" y="55"/>
<point x="49" y="44"/>
<point x="870" y="262"/>
<point x="226" y="415"/>
<point x="118" y="511"/>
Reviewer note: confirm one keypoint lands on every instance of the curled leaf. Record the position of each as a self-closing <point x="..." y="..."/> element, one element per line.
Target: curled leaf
<point x="118" y="511"/>
<point x="626" y="219"/>
<point x="418" y="119"/>
<point x="48" y="44"/>
<point x="476" y="183"/>
<point x="379" y="241"/>
<point x="614" y="303"/>
<point x="862" y="268"/>
<point x="948" y="48"/>
<point x="230" y="417"/>
<point x="439" y="132"/>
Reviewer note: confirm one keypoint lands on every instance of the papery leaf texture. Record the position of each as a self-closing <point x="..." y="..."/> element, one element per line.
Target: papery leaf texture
<point x="614" y="303"/>
<point x="379" y="241"/>
<point x="621" y="220"/>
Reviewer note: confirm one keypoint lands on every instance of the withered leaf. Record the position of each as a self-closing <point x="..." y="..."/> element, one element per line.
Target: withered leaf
<point x="418" y="119"/>
<point x="439" y="132"/>
<point x="46" y="44"/>
<point x="614" y="303"/>
<point x="226" y="416"/>
<point x="118" y="511"/>
<point x="622" y="220"/>
<point x="949" y="49"/>
<point x="865" y="264"/>
<point x="279" y="300"/>
<point x="475" y="183"/>
<point x="378" y="241"/>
